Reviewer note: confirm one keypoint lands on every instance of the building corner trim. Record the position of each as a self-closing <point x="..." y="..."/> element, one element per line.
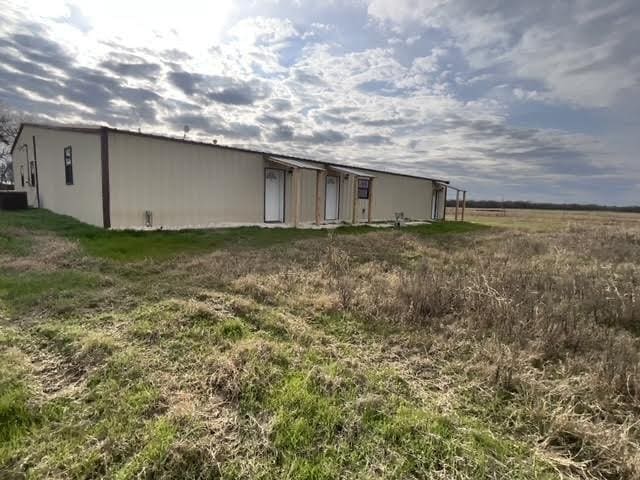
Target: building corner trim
<point x="104" y="168"/>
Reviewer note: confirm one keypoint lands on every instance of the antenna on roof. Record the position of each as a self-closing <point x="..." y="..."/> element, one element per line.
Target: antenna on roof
<point x="186" y="130"/>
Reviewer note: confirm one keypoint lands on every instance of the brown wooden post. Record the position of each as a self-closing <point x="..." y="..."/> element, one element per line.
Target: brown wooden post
<point x="370" y="200"/>
<point x="464" y="202"/>
<point x="457" y="203"/>
<point x="355" y="197"/>
<point x="318" y="178"/>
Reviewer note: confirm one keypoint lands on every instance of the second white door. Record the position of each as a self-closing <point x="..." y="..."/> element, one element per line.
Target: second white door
<point x="273" y="195"/>
<point x="332" y="198"/>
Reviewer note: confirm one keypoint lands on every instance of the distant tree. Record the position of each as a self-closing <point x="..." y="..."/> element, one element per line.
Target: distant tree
<point x="8" y="131"/>
<point x="545" y="205"/>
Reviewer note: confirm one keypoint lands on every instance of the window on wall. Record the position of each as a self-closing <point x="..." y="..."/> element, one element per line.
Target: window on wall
<point x="22" y="175"/>
<point x="33" y="174"/>
<point x="363" y="188"/>
<point x="68" y="166"/>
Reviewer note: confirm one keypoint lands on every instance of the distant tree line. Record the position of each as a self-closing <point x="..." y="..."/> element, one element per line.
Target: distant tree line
<point x="8" y="131"/>
<point x="496" y="204"/>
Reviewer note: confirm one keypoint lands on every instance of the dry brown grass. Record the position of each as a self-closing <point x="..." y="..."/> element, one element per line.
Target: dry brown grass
<point x="530" y="330"/>
<point x="537" y="330"/>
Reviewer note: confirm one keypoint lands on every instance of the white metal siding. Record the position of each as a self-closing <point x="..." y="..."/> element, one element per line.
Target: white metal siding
<point x="83" y="199"/>
<point x="183" y="184"/>
<point x="394" y="193"/>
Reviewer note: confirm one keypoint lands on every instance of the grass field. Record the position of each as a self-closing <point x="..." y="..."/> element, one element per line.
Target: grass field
<point x="439" y="351"/>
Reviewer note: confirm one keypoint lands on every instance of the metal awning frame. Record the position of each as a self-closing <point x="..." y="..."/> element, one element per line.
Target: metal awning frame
<point x="352" y="171"/>
<point x="288" y="162"/>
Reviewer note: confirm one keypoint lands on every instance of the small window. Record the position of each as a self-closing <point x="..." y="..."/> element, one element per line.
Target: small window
<point x="22" y="175"/>
<point x="363" y="188"/>
<point x="68" y="166"/>
<point x="33" y="174"/>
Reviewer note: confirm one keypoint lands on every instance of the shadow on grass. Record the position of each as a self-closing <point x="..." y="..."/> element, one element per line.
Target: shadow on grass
<point x="131" y="245"/>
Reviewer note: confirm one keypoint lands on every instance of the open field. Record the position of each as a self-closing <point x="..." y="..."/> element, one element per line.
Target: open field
<point x="437" y="351"/>
<point x="545" y="220"/>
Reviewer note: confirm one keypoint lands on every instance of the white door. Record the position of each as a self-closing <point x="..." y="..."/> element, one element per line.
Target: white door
<point x="273" y="195"/>
<point x="434" y="204"/>
<point x="332" y="198"/>
<point x="364" y="190"/>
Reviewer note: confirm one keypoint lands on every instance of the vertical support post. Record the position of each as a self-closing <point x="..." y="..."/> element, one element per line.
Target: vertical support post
<point x="444" y="210"/>
<point x="457" y="203"/>
<point x="464" y="202"/>
<point x="355" y="198"/>
<point x="296" y="197"/>
<point x="369" y="215"/>
<point x="35" y="164"/>
<point x="318" y="181"/>
<point x="104" y="172"/>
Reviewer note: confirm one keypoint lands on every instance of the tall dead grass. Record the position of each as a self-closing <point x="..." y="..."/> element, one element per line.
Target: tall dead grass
<point x="560" y="315"/>
<point x="541" y="326"/>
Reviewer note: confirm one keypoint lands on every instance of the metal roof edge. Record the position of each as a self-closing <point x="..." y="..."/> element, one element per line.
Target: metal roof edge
<point x="98" y="128"/>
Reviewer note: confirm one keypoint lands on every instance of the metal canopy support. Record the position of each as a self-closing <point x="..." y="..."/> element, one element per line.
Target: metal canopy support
<point x="464" y="201"/>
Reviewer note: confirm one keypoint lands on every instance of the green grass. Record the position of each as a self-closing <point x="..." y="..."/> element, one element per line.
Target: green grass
<point x="16" y="415"/>
<point x="62" y="291"/>
<point x="14" y="244"/>
<point x="330" y="418"/>
<point x="129" y="245"/>
<point x="105" y="381"/>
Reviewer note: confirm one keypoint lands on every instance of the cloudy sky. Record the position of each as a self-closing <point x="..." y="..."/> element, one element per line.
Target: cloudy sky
<point x="524" y="99"/>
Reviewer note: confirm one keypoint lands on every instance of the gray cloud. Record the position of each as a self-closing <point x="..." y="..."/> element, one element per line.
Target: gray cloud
<point x="238" y="95"/>
<point x="187" y="82"/>
<point x="371" y="139"/>
<point x="310" y="78"/>
<point x="282" y="133"/>
<point x="215" y="125"/>
<point x="130" y="69"/>
<point x="280" y="104"/>
<point x="324" y="137"/>
<point x="221" y="89"/>
<point x="90" y="87"/>
<point x="40" y="50"/>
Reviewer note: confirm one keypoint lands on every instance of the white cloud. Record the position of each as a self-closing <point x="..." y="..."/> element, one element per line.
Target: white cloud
<point x="585" y="53"/>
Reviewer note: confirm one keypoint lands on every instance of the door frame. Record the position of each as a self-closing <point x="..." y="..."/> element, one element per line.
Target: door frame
<point x="339" y="181"/>
<point x="284" y="195"/>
